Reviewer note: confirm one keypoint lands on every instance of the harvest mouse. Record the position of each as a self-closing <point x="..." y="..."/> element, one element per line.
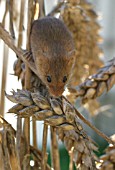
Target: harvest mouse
<point x="53" y="52"/>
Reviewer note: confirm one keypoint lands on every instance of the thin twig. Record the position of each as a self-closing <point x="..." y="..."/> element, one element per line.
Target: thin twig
<point x="30" y="18"/>
<point x="5" y="13"/>
<point x="90" y="125"/>
<point x="44" y="147"/>
<point x="34" y="132"/>
<point x="10" y="5"/>
<point x="54" y="149"/>
<point x="28" y="82"/>
<point x="41" y="8"/>
<point x="19" y="120"/>
<point x="26" y="133"/>
<point x="94" y="128"/>
<point x="4" y="70"/>
<point x="71" y="155"/>
<point x="34" y="129"/>
<point x="21" y="22"/>
<point x="18" y="139"/>
<point x="4" y="76"/>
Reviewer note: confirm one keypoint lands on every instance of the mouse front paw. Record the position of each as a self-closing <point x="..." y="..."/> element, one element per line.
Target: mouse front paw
<point x="28" y="55"/>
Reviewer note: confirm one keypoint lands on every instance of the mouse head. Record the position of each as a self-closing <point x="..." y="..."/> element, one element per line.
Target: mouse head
<point x="55" y="71"/>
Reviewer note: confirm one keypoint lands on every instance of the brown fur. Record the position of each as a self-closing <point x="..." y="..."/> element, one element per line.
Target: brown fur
<point x="51" y="45"/>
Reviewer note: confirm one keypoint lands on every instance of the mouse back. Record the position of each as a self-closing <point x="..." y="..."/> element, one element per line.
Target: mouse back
<point x="52" y="48"/>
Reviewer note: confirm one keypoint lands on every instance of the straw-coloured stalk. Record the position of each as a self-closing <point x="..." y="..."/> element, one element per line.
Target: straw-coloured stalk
<point x="54" y="149"/>
<point x="4" y="76"/>
<point x="44" y="147"/>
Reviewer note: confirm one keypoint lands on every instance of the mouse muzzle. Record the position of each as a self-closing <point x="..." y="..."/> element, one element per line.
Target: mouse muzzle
<point x="56" y="91"/>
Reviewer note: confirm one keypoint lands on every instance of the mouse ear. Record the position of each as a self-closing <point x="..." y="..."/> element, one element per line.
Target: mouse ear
<point x="71" y="59"/>
<point x="71" y="53"/>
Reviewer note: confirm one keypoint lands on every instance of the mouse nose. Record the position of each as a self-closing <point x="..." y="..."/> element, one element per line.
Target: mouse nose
<point x="56" y="91"/>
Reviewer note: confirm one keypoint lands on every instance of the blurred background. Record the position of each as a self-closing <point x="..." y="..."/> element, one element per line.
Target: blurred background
<point x="105" y="119"/>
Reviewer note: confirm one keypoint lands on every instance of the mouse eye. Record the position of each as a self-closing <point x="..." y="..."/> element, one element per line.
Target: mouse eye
<point x="64" y="79"/>
<point x="49" y="79"/>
